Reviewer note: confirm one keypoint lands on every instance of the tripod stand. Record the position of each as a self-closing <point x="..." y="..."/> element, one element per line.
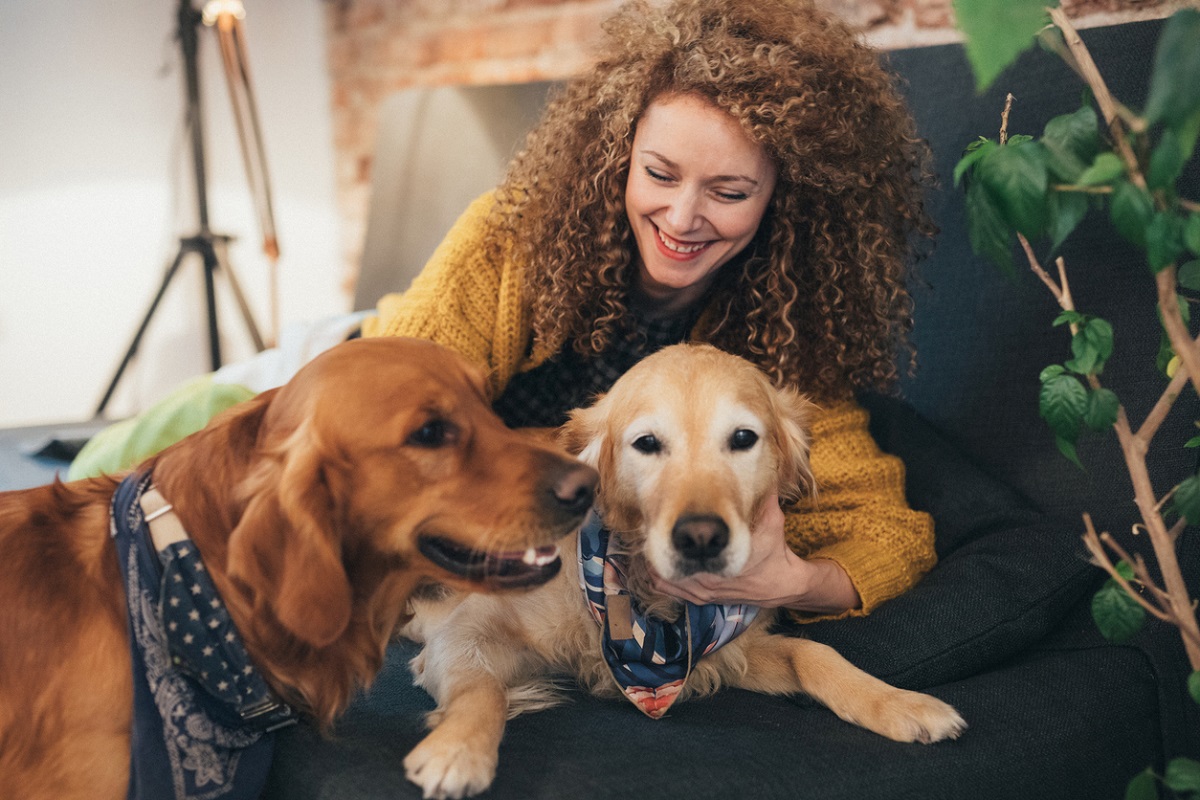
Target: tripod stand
<point x="211" y="247"/>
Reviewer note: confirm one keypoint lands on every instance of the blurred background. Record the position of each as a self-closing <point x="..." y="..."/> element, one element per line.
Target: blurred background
<point x="96" y="184"/>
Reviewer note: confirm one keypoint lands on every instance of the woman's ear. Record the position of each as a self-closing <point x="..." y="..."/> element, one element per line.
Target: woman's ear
<point x="285" y="545"/>
<point x="794" y="411"/>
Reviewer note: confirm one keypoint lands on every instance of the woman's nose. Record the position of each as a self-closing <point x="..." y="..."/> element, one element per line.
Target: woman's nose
<point x="684" y="212"/>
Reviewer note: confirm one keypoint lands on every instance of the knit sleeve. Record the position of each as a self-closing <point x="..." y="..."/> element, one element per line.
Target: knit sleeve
<point x="461" y="299"/>
<point x="860" y="518"/>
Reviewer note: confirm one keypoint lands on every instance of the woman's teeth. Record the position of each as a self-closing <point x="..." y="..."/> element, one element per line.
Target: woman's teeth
<point x="679" y="247"/>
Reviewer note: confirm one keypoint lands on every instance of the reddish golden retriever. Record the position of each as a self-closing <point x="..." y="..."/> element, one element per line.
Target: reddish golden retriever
<point x="318" y="508"/>
<point x="689" y="444"/>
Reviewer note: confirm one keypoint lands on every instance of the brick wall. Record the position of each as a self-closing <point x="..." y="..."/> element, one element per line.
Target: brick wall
<point x="376" y="47"/>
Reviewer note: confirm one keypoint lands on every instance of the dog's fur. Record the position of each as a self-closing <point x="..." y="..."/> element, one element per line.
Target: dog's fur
<point x="487" y="658"/>
<point x="309" y="505"/>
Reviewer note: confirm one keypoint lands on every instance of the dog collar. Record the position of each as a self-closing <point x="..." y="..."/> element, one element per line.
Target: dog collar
<point x="203" y="715"/>
<point x="650" y="658"/>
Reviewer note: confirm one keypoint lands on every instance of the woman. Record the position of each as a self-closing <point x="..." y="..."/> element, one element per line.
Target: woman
<point x="740" y="172"/>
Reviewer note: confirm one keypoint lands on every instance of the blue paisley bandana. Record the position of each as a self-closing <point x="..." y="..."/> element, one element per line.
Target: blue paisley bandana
<point x="650" y="658"/>
<point x="203" y="715"/>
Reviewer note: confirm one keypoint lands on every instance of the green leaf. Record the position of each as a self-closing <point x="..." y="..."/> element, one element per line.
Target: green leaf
<point x="1072" y="141"/>
<point x="1189" y="275"/>
<point x="1092" y="346"/>
<point x="1131" y="212"/>
<point x="1175" y="84"/>
<point x="1052" y="371"/>
<point x="1193" y="684"/>
<point x="997" y="33"/>
<point x="1193" y="442"/>
<point x="1104" y="170"/>
<point x="1069" y="317"/>
<point x="1066" y="210"/>
<point x="1186" y="501"/>
<point x="1125" y="569"/>
<point x="1101" y="413"/>
<point x="1144" y="786"/>
<point x="1016" y="179"/>
<point x="990" y="236"/>
<point x="975" y="151"/>
<point x="1117" y="615"/>
<point x="1183" y="775"/>
<point x="1167" y="160"/>
<point x="1062" y="403"/>
<point x="1191" y="234"/>
<point x="1164" y="240"/>
<point x="1067" y="448"/>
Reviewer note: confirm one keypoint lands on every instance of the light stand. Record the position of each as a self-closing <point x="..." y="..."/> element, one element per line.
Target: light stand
<point x="211" y="247"/>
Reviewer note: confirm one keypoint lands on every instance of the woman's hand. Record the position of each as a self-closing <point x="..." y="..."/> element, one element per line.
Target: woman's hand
<point x="773" y="577"/>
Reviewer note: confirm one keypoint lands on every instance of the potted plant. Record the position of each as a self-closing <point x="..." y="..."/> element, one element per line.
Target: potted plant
<point x="1111" y="159"/>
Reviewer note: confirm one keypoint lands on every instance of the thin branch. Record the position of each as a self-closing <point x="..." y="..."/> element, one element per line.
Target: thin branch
<point x="1041" y="273"/>
<point x="1166" y="400"/>
<point x="1008" y="101"/>
<point x="1190" y="205"/>
<point x="1108" y="106"/>
<point x="1092" y="541"/>
<point x="1177" y="529"/>
<point x="1172" y="320"/>
<point x="1074" y="187"/>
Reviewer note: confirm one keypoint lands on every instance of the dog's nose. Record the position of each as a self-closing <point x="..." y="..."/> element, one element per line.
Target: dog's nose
<point x="700" y="537"/>
<point x="576" y="489"/>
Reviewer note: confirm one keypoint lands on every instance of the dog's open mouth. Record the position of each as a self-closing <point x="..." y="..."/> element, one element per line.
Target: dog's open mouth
<point x="511" y="568"/>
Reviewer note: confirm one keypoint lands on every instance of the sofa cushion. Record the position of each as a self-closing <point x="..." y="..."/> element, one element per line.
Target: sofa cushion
<point x="1027" y="722"/>
<point x="1006" y="575"/>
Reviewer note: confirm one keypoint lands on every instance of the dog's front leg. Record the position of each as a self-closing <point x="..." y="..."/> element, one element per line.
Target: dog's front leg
<point x="458" y="757"/>
<point x="787" y="665"/>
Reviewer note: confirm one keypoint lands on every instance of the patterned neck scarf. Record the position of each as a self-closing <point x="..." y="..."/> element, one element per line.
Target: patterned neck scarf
<point x="203" y="715"/>
<point x="650" y="658"/>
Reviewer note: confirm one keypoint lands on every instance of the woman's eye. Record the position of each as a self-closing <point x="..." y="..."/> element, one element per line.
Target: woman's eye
<point x="434" y="433"/>
<point x="732" y="197"/>
<point x="658" y="176"/>
<point x="743" y="439"/>
<point x="647" y="443"/>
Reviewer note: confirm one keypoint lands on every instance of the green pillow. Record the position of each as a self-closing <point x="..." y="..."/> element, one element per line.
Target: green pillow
<point x="127" y="443"/>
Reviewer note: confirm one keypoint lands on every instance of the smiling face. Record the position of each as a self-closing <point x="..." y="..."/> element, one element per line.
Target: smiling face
<point x="697" y="190"/>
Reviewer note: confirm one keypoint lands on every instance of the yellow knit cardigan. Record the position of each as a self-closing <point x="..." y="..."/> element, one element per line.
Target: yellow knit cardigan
<point x="859" y="519"/>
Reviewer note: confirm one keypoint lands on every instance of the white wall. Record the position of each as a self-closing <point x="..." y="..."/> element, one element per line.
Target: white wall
<point x="95" y="190"/>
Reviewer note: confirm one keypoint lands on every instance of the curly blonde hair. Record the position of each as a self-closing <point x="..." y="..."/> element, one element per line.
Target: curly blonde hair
<point x="820" y="299"/>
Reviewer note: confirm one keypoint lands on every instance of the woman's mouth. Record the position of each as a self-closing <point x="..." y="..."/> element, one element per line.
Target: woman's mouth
<point x="674" y="248"/>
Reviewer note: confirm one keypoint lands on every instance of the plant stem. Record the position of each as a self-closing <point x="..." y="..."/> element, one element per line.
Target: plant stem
<point x="1108" y="106"/>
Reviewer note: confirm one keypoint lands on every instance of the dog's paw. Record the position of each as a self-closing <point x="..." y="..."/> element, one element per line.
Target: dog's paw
<point x="445" y="767"/>
<point x="914" y="717"/>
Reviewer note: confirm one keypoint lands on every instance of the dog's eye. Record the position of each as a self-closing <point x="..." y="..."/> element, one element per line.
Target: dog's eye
<point x="434" y="433"/>
<point x="743" y="439"/>
<point x="647" y="443"/>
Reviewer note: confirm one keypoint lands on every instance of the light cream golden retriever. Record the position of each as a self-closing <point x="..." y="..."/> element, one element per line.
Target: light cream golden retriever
<point x="689" y="444"/>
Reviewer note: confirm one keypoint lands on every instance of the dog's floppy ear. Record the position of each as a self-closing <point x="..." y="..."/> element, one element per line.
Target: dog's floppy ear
<point x="285" y="543"/>
<point x="585" y="433"/>
<point x="793" y="411"/>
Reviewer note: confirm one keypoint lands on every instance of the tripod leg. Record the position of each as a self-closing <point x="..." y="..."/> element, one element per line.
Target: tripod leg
<point x="223" y="260"/>
<point x="210" y="296"/>
<point x="141" y="331"/>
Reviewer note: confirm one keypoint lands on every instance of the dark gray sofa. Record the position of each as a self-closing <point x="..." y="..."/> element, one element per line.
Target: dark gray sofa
<point x="1000" y="628"/>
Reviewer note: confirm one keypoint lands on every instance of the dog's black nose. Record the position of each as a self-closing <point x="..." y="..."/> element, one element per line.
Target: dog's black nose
<point x="700" y="537"/>
<point x="575" y="489"/>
